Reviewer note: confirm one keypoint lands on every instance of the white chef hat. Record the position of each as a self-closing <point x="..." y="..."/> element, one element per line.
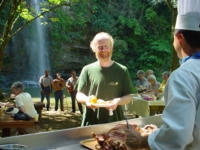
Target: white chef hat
<point x="188" y="15"/>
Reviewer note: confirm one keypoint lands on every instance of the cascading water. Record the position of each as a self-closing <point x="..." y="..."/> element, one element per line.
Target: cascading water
<point x="38" y="48"/>
<point x="32" y="46"/>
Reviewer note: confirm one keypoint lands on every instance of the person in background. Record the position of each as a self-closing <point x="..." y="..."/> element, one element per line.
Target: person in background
<point x="153" y="85"/>
<point x="181" y="117"/>
<point x="58" y="85"/>
<point x="70" y="86"/>
<point x="104" y="79"/>
<point x="142" y="82"/>
<point x="149" y="72"/>
<point x="24" y="103"/>
<point x="165" y="76"/>
<point x="46" y="82"/>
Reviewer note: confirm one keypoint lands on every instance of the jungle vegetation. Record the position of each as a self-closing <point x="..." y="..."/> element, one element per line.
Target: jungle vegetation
<point x="142" y="30"/>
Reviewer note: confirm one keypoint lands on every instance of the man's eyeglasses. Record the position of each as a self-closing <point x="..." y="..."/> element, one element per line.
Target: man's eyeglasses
<point x="103" y="47"/>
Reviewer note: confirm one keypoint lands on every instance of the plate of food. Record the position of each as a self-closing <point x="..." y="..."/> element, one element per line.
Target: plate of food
<point x="115" y="138"/>
<point x="101" y="103"/>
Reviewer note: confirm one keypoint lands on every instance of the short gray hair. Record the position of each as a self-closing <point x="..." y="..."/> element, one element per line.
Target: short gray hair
<point x="18" y="86"/>
<point x="166" y="73"/>
<point x="93" y="43"/>
<point x="140" y="72"/>
<point x="151" y="77"/>
<point x="150" y="71"/>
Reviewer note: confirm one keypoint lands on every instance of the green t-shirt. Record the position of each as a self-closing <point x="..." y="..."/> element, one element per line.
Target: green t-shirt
<point x="107" y="84"/>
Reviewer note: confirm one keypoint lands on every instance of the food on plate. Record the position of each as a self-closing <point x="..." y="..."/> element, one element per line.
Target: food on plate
<point x="148" y="129"/>
<point x="115" y="137"/>
<point x="93" y="100"/>
<point x="99" y="101"/>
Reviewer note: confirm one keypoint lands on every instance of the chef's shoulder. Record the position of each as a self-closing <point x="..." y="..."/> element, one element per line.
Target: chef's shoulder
<point x="183" y="75"/>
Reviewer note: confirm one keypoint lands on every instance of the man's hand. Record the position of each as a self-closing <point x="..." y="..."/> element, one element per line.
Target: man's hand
<point x="43" y="91"/>
<point x="88" y="103"/>
<point x="115" y="103"/>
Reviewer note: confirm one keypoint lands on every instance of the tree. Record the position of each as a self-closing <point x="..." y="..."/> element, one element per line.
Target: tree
<point x="17" y="14"/>
<point x="172" y="7"/>
<point x="140" y="29"/>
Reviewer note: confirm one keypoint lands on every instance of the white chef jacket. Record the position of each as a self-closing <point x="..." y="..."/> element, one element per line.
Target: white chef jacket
<point x="181" y="116"/>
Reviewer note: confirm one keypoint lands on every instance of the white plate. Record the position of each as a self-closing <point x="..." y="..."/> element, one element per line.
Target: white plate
<point x="102" y="105"/>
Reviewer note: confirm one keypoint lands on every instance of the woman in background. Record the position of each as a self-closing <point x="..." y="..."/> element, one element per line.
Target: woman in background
<point x="165" y="76"/>
<point x="153" y="85"/>
<point x="142" y="82"/>
<point x="24" y="103"/>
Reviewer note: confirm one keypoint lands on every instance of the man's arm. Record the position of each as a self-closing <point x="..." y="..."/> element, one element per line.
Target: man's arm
<point x="82" y="98"/>
<point x="124" y="99"/>
<point x="41" y="85"/>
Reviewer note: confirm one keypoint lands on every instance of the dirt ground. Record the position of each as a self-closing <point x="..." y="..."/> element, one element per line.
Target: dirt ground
<point x="56" y="120"/>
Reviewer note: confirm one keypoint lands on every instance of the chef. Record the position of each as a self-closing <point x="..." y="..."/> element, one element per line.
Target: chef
<point x="181" y="116"/>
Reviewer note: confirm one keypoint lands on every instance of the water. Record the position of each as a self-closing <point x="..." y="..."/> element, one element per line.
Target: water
<point x="34" y="91"/>
<point x="35" y="46"/>
<point x="38" y="45"/>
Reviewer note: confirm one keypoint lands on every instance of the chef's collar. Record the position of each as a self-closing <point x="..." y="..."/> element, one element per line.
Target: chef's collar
<point x="194" y="56"/>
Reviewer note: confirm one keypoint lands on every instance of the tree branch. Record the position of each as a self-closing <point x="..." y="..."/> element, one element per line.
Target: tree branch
<point x="3" y="2"/>
<point x="170" y="6"/>
<point x="27" y="22"/>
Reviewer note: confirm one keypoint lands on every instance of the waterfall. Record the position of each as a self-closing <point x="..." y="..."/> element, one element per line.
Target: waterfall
<point x="38" y="46"/>
<point x="29" y="52"/>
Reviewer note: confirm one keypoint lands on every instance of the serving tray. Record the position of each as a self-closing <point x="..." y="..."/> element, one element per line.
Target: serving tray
<point x="89" y="143"/>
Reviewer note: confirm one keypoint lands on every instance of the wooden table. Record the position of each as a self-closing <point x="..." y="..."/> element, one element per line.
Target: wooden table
<point x="7" y="122"/>
<point x="38" y="107"/>
<point x="145" y="108"/>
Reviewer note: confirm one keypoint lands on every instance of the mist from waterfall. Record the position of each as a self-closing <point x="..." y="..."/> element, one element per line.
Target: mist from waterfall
<point x="29" y="52"/>
<point x="38" y="45"/>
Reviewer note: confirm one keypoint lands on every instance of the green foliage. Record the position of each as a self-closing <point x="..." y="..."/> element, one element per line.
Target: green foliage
<point x="24" y="12"/>
<point x="120" y="48"/>
<point x="141" y="30"/>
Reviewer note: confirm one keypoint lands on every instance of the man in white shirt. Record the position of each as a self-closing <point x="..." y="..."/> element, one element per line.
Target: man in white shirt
<point x="73" y="91"/>
<point x="46" y="82"/>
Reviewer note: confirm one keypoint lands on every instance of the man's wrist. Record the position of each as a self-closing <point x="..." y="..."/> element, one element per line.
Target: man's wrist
<point x="117" y="100"/>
